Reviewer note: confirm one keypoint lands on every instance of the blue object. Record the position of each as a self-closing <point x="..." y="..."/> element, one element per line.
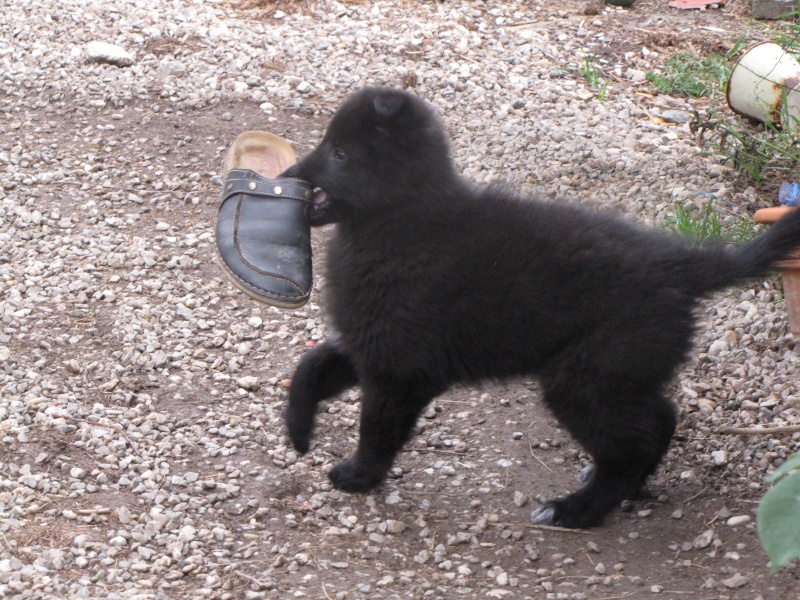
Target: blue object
<point x="788" y="193"/>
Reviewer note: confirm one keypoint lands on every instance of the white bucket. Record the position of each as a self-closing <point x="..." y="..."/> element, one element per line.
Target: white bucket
<point x="764" y="77"/>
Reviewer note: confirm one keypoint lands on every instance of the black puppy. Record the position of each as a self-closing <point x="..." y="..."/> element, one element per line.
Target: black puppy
<point x="432" y="281"/>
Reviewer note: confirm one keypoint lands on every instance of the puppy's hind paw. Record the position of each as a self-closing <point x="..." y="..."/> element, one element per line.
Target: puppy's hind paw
<point x="544" y="515"/>
<point x="565" y="512"/>
<point x="586" y="474"/>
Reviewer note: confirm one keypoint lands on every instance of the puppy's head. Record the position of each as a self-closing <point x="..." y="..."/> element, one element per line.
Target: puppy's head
<point x="384" y="148"/>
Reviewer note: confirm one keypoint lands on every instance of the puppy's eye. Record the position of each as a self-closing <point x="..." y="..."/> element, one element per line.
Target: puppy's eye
<point x="339" y="154"/>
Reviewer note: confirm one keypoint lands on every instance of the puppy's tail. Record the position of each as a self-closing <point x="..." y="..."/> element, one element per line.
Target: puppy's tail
<point x="726" y="266"/>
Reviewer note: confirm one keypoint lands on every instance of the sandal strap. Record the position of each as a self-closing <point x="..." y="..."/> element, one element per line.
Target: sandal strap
<point x="245" y="181"/>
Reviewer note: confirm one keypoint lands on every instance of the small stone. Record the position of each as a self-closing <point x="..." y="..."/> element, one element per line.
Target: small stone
<point x="675" y="116"/>
<point x="704" y="539"/>
<point x="706" y="406"/>
<point x="720" y="457"/>
<point x="600" y="568"/>
<point x="520" y="499"/>
<point x="635" y="75"/>
<point x="248" y="382"/>
<point x="393" y="498"/>
<point x="160" y="359"/>
<point x="739" y="520"/>
<point x="169" y="68"/>
<point x="393" y="526"/>
<point x="717" y="347"/>
<point x="737" y="580"/>
<point x="124" y="515"/>
<point x="103" y="52"/>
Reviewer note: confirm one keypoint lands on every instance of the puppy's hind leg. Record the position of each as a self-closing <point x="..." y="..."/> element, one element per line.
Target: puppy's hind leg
<point x="322" y="373"/>
<point x="388" y="416"/>
<point x="627" y="435"/>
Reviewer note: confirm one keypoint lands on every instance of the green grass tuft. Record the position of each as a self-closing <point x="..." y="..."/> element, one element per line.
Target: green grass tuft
<point x="710" y="225"/>
<point x="686" y="75"/>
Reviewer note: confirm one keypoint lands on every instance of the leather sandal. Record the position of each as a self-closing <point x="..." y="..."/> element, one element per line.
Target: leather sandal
<point x="262" y="235"/>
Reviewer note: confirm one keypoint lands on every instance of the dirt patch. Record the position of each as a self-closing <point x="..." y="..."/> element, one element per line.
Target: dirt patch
<point x="453" y="521"/>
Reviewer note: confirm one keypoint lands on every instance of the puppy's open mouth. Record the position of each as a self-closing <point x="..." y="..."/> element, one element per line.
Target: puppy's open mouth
<point x="320" y="212"/>
<point x="320" y="199"/>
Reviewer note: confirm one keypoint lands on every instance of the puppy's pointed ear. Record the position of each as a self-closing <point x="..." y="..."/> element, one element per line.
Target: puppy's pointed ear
<point x="388" y="104"/>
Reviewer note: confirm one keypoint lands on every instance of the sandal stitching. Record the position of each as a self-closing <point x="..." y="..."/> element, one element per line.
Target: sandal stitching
<point x="261" y="291"/>
<point x="253" y="267"/>
<point x="249" y="176"/>
<point x="256" y="290"/>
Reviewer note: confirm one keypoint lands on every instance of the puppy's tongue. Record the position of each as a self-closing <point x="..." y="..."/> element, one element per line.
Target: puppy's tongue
<point x="320" y="197"/>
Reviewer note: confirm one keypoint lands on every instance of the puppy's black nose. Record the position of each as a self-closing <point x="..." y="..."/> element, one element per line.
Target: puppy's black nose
<point x="293" y="171"/>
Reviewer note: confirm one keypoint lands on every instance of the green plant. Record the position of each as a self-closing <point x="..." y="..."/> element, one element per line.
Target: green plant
<point x="592" y="75"/>
<point x="601" y="95"/>
<point x="789" y="34"/>
<point x="756" y="153"/>
<point x="590" y="72"/>
<point x="710" y="224"/>
<point x="686" y="75"/>
<point x="778" y="518"/>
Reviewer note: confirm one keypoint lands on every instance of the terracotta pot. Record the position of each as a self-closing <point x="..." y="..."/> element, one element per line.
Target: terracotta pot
<point x="790" y="269"/>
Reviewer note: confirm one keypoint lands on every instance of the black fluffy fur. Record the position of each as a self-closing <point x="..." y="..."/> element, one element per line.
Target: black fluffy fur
<point x="432" y="281"/>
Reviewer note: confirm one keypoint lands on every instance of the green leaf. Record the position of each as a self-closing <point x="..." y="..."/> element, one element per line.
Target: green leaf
<point x="778" y="521"/>
<point x="792" y="464"/>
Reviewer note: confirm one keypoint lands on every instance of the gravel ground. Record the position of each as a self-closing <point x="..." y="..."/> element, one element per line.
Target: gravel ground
<point x="142" y="453"/>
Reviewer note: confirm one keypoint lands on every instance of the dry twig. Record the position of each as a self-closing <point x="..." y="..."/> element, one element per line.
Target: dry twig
<point x="778" y="430"/>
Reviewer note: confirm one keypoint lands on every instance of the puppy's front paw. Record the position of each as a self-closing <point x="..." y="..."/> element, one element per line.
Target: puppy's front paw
<point x="348" y="476"/>
<point x="300" y="428"/>
<point x="300" y="442"/>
